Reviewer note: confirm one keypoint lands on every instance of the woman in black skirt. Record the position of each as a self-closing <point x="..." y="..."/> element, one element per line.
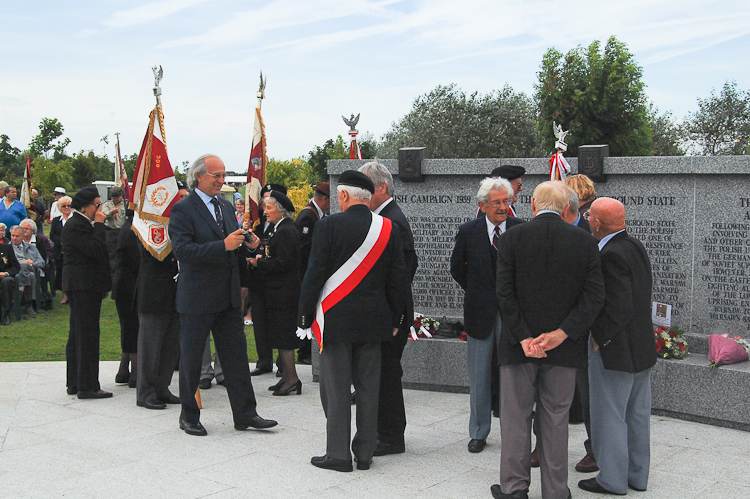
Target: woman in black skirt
<point x="277" y="269"/>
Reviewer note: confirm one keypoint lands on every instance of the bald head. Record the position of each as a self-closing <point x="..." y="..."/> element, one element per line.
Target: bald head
<point x="607" y="217"/>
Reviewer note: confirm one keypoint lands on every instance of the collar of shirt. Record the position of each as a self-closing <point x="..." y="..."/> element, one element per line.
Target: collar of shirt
<point x="491" y="228"/>
<point x="380" y="208"/>
<point x="606" y="239"/>
<point x="546" y="211"/>
<point x="33" y="239"/>
<point x="207" y="201"/>
<point x="320" y="212"/>
<point x="577" y="220"/>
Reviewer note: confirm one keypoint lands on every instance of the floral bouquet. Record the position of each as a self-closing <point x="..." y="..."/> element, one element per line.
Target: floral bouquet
<point x="423" y="327"/>
<point x="723" y="350"/>
<point x="670" y="344"/>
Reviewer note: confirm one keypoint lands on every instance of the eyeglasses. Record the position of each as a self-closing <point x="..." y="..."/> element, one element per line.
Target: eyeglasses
<point x="97" y="205"/>
<point x="217" y="176"/>
<point x="64" y="206"/>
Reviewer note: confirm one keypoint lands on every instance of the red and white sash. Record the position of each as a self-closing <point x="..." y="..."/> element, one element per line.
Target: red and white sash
<point x="350" y="274"/>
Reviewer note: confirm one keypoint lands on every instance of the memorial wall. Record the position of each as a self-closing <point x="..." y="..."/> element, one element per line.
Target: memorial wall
<point x="692" y="214"/>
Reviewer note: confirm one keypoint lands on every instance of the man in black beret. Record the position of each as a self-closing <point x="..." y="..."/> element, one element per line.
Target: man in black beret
<point x="351" y="300"/>
<point x="512" y="174"/>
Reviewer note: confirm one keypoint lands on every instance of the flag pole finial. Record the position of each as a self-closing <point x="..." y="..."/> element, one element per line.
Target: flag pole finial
<point x="158" y="75"/>
<point x="261" y="93"/>
<point x="560" y="135"/>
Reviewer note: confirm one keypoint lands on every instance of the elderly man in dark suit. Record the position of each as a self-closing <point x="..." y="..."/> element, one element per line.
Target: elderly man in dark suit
<point x="9" y="267"/>
<point x="205" y="239"/>
<point x="550" y="289"/>
<point x="351" y="299"/>
<point x="621" y="357"/>
<point x="473" y="266"/>
<point x="391" y="412"/>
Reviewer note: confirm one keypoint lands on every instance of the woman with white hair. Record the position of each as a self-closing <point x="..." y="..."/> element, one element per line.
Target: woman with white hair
<point x="55" y="235"/>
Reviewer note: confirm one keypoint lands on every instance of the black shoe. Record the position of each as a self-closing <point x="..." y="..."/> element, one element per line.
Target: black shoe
<point x="132" y="383"/>
<point x="496" y="413"/>
<point x="72" y="390"/>
<point x="383" y="449"/>
<point x="275" y="387"/>
<point x="295" y="387"/>
<point x="29" y="310"/>
<point x="477" y="445"/>
<point x="354" y="397"/>
<point x="329" y="463"/>
<point x="5" y="321"/>
<point x="101" y="394"/>
<point x="363" y="465"/>
<point x="196" y="429"/>
<point x="256" y="422"/>
<point x="204" y="384"/>
<point x="169" y="398"/>
<point x="258" y="371"/>
<point x="220" y="382"/>
<point x="591" y="485"/>
<point x="122" y="379"/>
<point x="152" y="404"/>
<point x="279" y="373"/>
<point x="637" y="490"/>
<point x="519" y="494"/>
<point x="305" y="360"/>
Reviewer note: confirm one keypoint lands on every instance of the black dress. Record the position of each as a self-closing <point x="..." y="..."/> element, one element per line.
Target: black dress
<point x="55" y="235"/>
<point x="124" y="282"/>
<point x="279" y="277"/>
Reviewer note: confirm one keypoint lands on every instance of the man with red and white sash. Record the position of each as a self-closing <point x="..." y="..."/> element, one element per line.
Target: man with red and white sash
<point x="351" y="302"/>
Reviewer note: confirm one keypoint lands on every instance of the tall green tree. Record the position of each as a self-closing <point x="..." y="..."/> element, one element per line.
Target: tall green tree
<point x="597" y="95"/>
<point x="49" y="174"/>
<point x="667" y="135"/>
<point x="318" y="158"/>
<point x="722" y="123"/>
<point x="450" y="124"/>
<point x="49" y="139"/>
<point x="10" y="165"/>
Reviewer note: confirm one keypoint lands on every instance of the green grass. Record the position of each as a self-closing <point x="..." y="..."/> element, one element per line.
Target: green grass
<point x="43" y="337"/>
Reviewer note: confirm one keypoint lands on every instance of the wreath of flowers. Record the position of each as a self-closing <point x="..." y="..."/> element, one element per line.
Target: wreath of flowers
<point x="670" y="343"/>
<point x="423" y="327"/>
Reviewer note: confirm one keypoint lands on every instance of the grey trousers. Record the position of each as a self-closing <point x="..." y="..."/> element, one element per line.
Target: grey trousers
<point x="479" y="361"/>
<point x="342" y="364"/>
<point x="158" y="351"/>
<point x="620" y="425"/>
<point x="27" y="277"/>
<point x="207" y="370"/>
<point x="518" y="385"/>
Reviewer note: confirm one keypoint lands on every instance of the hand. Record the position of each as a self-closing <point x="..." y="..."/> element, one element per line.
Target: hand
<point x="234" y="240"/>
<point x="254" y="261"/>
<point x="28" y="261"/>
<point x="594" y="344"/>
<point x="395" y="331"/>
<point x="304" y="334"/>
<point x="548" y="341"/>
<point x="255" y="241"/>
<point x="99" y="216"/>
<point x="531" y="350"/>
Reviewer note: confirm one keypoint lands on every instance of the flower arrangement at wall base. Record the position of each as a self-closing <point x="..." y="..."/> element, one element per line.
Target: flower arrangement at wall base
<point x="423" y="327"/>
<point x="723" y="350"/>
<point x="670" y="343"/>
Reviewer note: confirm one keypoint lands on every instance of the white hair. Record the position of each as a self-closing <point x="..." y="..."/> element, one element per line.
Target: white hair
<point x="379" y="175"/>
<point x="355" y="192"/>
<point x="282" y="210"/>
<point x="493" y="184"/>
<point x="199" y="166"/>
<point x="30" y="223"/>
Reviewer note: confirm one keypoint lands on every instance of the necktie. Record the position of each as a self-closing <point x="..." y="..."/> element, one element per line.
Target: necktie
<point x="217" y="212"/>
<point x="496" y="237"/>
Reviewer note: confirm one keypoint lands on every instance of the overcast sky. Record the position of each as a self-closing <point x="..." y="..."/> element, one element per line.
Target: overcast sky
<point x="88" y="63"/>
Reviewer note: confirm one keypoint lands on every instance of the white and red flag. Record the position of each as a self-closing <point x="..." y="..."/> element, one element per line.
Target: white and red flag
<point x="121" y="177"/>
<point x="355" y="152"/>
<point x="559" y="168"/>
<point x="26" y="186"/>
<point x="154" y="190"/>
<point x="256" y="170"/>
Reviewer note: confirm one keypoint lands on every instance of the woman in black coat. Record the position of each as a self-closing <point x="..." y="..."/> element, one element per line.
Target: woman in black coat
<point x="277" y="271"/>
<point x="86" y="281"/>
<point x="55" y="235"/>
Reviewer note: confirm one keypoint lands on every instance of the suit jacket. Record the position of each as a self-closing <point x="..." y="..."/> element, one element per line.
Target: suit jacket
<point x="209" y="279"/>
<point x="374" y="307"/>
<point x="548" y="277"/>
<point x="278" y="270"/>
<point x="623" y="328"/>
<point x="156" y="287"/>
<point x="128" y="264"/>
<point x="473" y="266"/>
<point x="86" y="260"/>
<point x="584" y="224"/>
<point x="30" y="251"/>
<point x="55" y="235"/>
<point x="306" y="220"/>
<point x="8" y="261"/>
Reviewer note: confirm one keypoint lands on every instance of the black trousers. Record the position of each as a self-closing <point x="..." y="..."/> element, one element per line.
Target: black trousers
<point x="6" y="292"/>
<point x="82" y="349"/>
<point x="391" y="412"/>
<point x="159" y="349"/>
<point x="260" y="330"/>
<point x="230" y="342"/>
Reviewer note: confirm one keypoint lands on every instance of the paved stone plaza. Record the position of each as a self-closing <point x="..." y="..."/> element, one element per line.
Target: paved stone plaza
<point x="54" y="445"/>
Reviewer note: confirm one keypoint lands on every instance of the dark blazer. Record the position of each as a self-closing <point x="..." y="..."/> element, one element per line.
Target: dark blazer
<point x="44" y="246"/>
<point x="278" y="269"/>
<point x="128" y="256"/>
<point x="473" y="266"/>
<point x="623" y="328"/>
<point x="86" y="260"/>
<point x="209" y="280"/>
<point x="373" y="308"/>
<point x="393" y="212"/>
<point x="584" y="224"/>
<point x="55" y="235"/>
<point x="306" y="220"/>
<point x="548" y="277"/>
<point x="8" y="261"/>
<point x="156" y="288"/>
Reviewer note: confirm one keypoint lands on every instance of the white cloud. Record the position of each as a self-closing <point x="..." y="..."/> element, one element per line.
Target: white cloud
<point x="144" y="14"/>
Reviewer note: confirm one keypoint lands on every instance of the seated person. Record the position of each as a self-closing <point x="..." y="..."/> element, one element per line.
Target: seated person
<point x="30" y="260"/>
<point x="8" y="269"/>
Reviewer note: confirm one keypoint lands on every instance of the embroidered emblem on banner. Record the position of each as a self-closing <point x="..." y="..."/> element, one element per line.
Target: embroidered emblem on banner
<point x="158" y="235"/>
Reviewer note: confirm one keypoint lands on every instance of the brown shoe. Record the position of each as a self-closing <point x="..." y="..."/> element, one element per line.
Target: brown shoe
<point x="587" y="464"/>
<point x="535" y="459"/>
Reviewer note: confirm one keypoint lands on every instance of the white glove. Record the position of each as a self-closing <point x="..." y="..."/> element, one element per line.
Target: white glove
<point x="304" y="334"/>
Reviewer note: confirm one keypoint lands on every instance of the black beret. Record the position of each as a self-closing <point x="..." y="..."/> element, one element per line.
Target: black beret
<point x="284" y="201"/>
<point x="273" y="187"/>
<point x="508" y="172"/>
<point x="357" y="179"/>
<point x="84" y="196"/>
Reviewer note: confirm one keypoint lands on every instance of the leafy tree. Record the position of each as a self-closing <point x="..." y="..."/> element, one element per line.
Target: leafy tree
<point x="318" y="158"/>
<point x="722" y="123"/>
<point x="294" y="173"/>
<point x="368" y="146"/>
<point x="451" y="125"/>
<point x="666" y="134"/>
<point x="10" y="165"/>
<point x="84" y="169"/>
<point x="49" y="174"/>
<point x="598" y="96"/>
<point x="50" y="130"/>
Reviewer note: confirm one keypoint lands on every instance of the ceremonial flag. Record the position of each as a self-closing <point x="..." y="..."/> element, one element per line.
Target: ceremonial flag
<point x="26" y="186"/>
<point x="355" y="152"/>
<point x="558" y="167"/>
<point x="154" y="190"/>
<point x="121" y="177"/>
<point x="256" y="170"/>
